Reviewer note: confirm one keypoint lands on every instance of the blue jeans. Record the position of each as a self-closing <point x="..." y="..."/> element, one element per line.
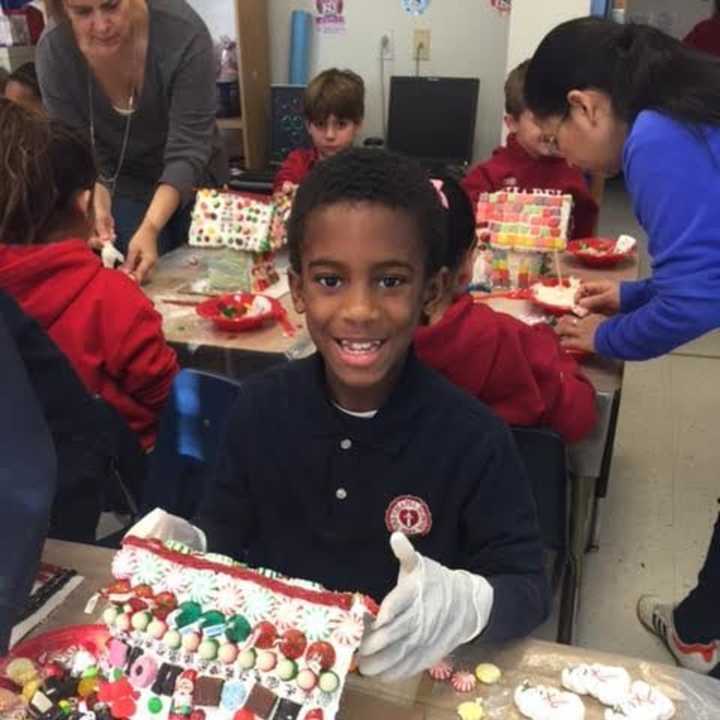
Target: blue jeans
<point x="128" y="213"/>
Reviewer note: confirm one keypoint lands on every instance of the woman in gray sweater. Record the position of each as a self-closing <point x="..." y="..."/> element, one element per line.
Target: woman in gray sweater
<point x="139" y="77"/>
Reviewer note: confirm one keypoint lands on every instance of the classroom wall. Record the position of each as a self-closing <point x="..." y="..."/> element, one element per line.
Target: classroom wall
<point x="468" y="39"/>
<point x="677" y="17"/>
<point x="531" y="20"/>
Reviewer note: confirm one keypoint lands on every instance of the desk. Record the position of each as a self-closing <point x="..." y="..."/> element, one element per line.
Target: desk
<point x="590" y="459"/>
<point x="198" y="343"/>
<point x="696" y="697"/>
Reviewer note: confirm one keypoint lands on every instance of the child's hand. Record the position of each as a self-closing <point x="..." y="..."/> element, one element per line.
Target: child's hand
<point x="430" y="612"/>
<point x="602" y="296"/>
<point x="579" y="334"/>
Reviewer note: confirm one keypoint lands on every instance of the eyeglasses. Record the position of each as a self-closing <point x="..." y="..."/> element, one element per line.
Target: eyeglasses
<point x="550" y="139"/>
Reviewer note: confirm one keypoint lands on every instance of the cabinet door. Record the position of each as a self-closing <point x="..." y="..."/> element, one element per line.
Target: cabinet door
<point x="251" y="17"/>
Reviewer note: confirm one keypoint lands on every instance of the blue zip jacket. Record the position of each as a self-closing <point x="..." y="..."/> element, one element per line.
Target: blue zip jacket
<point x="27" y="481"/>
<point x="673" y="176"/>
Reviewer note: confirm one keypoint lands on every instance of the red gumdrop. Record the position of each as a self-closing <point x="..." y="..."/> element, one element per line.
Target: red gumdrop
<point x="316" y="714"/>
<point x="197" y="715"/>
<point x="136" y="604"/>
<point x="323" y="653"/>
<point x="166" y="600"/>
<point x="143" y="591"/>
<point x="293" y="644"/>
<point x="244" y="715"/>
<point x="119" y="587"/>
<point x="265" y="634"/>
<point x="123" y="708"/>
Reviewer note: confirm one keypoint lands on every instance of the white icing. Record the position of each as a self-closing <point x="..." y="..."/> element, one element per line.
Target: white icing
<point x="558" y="295"/>
<point x="541" y="702"/>
<point x="609" y="685"/>
<point x="645" y="702"/>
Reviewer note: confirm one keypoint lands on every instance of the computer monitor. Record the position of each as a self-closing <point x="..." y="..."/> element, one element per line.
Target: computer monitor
<point x="433" y="119"/>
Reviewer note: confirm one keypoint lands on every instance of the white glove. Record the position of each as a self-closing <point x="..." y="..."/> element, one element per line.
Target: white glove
<point x="111" y="256"/>
<point x="160" y="525"/>
<point x="425" y="617"/>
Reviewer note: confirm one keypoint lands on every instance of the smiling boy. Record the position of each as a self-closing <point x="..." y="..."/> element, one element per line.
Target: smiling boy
<point x="327" y="458"/>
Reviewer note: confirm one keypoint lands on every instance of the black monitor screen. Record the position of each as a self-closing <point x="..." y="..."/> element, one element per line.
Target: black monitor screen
<point x="433" y="118"/>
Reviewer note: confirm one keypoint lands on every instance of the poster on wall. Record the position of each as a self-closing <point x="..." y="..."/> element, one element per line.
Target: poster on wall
<point x="415" y="7"/>
<point x="502" y="6"/>
<point x="330" y="19"/>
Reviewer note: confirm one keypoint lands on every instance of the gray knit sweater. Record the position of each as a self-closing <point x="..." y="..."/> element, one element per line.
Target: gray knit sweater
<point x="173" y="138"/>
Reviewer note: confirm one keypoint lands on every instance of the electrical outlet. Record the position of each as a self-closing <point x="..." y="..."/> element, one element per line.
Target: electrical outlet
<point x="421" y="45"/>
<point x="387" y="45"/>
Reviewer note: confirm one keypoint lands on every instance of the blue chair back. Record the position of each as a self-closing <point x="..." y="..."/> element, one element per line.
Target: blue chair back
<point x="189" y="435"/>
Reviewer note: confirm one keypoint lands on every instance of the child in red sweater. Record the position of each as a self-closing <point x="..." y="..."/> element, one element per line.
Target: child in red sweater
<point x="526" y="162"/>
<point x="99" y="318"/>
<point x="519" y="370"/>
<point x="334" y="108"/>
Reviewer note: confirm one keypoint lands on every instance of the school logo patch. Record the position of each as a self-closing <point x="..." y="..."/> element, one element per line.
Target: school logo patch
<point x="409" y="515"/>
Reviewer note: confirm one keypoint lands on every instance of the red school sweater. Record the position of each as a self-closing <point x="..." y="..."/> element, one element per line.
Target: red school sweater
<point x="705" y="36"/>
<point x="513" y="166"/>
<point x="518" y="370"/>
<point x="101" y="320"/>
<point x="295" y="167"/>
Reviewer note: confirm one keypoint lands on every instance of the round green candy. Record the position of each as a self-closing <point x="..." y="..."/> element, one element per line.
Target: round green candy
<point x="91" y="672"/>
<point x="172" y="639"/>
<point x="155" y="705"/>
<point x="246" y="659"/>
<point x="208" y="649"/>
<point x="211" y="618"/>
<point x="238" y="629"/>
<point x="140" y="620"/>
<point x="190" y="612"/>
<point x="287" y="670"/>
<point x="110" y="614"/>
<point x="329" y="682"/>
<point x="117" y="674"/>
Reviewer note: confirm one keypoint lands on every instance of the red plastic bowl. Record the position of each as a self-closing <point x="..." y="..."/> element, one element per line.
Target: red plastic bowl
<point x="577" y="353"/>
<point x="213" y="310"/>
<point x="549" y="307"/>
<point x="578" y="249"/>
<point x="92" y="638"/>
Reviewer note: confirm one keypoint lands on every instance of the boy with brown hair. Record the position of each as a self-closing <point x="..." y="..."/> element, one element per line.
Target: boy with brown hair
<point x="526" y="162"/>
<point x="334" y="108"/>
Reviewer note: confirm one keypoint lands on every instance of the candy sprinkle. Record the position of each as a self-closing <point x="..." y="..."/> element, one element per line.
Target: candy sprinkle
<point x="442" y="671"/>
<point x="463" y="682"/>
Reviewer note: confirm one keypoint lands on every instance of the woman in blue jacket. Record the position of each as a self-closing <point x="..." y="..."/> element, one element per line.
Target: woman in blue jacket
<point x="630" y="98"/>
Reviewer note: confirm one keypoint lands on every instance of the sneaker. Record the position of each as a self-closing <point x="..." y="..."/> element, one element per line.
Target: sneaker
<point x="657" y="617"/>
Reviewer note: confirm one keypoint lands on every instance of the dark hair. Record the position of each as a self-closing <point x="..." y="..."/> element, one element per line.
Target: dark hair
<point x="26" y="75"/>
<point x="43" y="165"/>
<point x="335" y="92"/>
<point x="639" y="67"/>
<point x="366" y="175"/>
<point x="459" y="223"/>
<point x="515" y="90"/>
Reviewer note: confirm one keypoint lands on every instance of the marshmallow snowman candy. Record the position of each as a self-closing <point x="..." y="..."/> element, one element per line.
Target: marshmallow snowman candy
<point x="542" y="702"/>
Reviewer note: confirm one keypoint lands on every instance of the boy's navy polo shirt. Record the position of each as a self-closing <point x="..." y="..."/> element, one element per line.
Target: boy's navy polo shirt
<point x="311" y="492"/>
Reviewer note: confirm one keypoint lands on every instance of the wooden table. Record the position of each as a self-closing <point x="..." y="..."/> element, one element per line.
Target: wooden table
<point x="696" y="697"/>
<point x="197" y="341"/>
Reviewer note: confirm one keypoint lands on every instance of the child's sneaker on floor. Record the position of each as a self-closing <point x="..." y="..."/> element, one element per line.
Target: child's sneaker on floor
<point x="657" y="617"/>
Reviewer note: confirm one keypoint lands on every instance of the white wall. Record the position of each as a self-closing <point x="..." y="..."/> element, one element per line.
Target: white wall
<point x="531" y="20"/>
<point x="468" y="39"/>
<point x="677" y="17"/>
